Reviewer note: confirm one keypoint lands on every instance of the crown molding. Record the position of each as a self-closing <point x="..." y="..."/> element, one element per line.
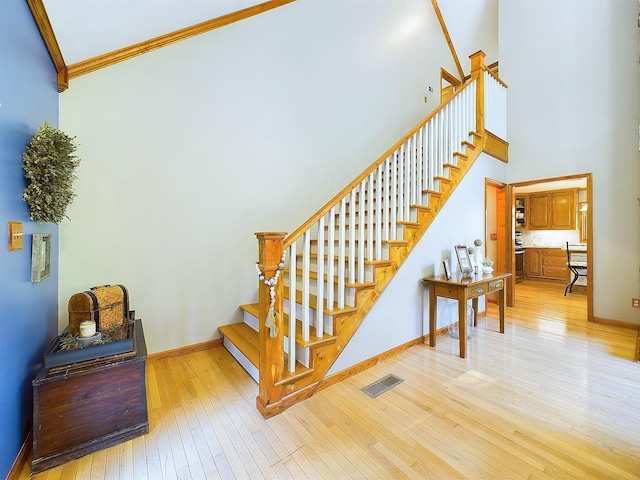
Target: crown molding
<point x="46" y="32"/>
<point x="66" y="73"/>
<point x="126" y="53"/>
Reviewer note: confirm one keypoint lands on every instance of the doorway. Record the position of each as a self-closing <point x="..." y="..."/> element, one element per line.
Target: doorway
<point x="548" y="214"/>
<point x="496" y="235"/>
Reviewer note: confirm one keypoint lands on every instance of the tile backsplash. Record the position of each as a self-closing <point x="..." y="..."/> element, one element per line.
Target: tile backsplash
<point x="550" y="238"/>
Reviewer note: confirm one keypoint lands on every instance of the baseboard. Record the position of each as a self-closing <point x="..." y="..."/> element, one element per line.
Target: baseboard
<point x="367" y="364"/>
<point x="616" y="323"/>
<point x="22" y="459"/>
<point x="176" y="352"/>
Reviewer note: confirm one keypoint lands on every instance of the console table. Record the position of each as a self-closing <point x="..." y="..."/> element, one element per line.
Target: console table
<point x="462" y="289"/>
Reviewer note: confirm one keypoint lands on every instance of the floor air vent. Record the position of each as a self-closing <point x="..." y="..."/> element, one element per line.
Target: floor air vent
<point x="382" y="385"/>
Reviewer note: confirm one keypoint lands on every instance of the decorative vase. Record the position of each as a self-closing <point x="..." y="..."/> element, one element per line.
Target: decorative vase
<point x="486" y="269"/>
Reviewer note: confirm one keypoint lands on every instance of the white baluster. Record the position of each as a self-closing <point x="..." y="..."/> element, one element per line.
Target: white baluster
<point x="393" y="178"/>
<point x="292" y="307"/>
<point x="320" y="281"/>
<point x="379" y="211"/>
<point x="361" y="231"/>
<point x="306" y="257"/>
<point x="341" y="252"/>
<point x="370" y="210"/>
<point x="331" y="251"/>
<point x="352" y="236"/>
<point x="387" y="197"/>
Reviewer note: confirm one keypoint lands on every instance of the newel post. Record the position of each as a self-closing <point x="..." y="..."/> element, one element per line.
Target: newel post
<point x="477" y="72"/>
<point x="271" y="364"/>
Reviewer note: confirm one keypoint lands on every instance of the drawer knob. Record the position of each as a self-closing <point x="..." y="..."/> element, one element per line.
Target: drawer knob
<point x="496" y="285"/>
<point x="478" y="290"/>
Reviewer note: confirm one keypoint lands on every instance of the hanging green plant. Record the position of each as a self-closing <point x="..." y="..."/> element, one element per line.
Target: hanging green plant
<point x="49" y="166"/>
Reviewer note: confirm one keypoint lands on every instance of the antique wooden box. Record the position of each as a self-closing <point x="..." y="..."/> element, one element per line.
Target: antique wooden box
<point x="90" y="405"/>
<point x="107" y="305"/>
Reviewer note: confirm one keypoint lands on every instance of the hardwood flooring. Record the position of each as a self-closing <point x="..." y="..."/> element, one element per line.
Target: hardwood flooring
<point x="555" y="397"/>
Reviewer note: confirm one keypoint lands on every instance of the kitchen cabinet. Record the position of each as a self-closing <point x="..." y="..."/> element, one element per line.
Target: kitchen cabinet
<point x="521" y="214"/>
<point x="554" y="263"/>
<point x="533" y="262"/>
<point x="553" y="210"/>
<point x="549" y="263"/>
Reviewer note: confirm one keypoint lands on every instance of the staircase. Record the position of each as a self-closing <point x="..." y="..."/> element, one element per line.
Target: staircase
<point x="323" y="279"/>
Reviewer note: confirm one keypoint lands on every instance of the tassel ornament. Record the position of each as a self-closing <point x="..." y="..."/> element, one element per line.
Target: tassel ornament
<point x="270" y="322"/>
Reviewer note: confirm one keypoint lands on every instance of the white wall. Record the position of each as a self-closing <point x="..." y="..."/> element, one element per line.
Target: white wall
<point x="572" y="70"/>
<point x="401" y="313"/>
<point x="189" y="150"/>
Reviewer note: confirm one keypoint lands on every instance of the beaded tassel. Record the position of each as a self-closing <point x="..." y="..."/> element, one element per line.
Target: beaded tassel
<point x="270" y="322"/>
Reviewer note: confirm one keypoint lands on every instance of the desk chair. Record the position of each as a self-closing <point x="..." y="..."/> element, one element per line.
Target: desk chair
<point x="577" y="263"/>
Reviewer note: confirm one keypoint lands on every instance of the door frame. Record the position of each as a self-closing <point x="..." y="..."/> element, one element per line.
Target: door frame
<point x="504" y="261"/>
<point x="511" y="203"/>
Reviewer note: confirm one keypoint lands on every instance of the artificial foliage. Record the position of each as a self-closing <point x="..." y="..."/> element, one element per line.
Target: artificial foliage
<point x="49" y="165"/>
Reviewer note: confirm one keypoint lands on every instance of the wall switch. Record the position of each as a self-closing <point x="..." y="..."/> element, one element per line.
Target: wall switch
<point x="15" y="236"/>
<point x="493" y="236"/>
<point x="635" y="302"/>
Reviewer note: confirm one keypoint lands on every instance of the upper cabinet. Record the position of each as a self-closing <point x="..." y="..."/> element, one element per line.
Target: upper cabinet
<point x="552" y="210"/>
<point x="522" y="202"/>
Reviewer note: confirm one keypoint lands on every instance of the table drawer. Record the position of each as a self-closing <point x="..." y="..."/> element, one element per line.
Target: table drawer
<point x="477" y="290"/>
<point x="495" y="285"/>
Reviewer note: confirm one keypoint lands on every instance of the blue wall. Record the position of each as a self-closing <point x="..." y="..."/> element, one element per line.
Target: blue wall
<point x="28" y="312"/>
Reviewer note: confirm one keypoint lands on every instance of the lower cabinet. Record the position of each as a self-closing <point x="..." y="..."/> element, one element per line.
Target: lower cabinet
<point x="549" y="263"/>
<point x="533" y="262"/>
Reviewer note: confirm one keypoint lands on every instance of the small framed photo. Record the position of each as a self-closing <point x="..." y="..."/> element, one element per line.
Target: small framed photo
<point x="40" y="256"/>
<point x="445" y="267"/>
<point x="464" y="261"/>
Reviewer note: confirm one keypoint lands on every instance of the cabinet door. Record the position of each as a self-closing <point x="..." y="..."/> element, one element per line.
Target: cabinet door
<point x="563" y="210"/>
<point x="533" y="262"/>
<point x="539" y="211"/>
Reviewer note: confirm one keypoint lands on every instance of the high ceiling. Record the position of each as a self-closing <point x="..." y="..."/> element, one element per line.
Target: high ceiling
<point x="88" y="28"/>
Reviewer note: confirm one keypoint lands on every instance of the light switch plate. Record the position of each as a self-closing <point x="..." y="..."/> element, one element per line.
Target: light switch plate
<point x="15" y="236"/>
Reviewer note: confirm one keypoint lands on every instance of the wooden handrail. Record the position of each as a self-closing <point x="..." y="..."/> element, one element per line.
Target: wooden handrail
<point x="495" y="77"/>
<point x="346" y="190"/>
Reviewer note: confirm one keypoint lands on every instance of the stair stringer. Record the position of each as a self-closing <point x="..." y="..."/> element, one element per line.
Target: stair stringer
<point x="322" y="357"/>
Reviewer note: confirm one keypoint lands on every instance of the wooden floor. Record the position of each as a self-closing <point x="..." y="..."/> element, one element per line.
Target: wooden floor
<point x="554" y="397"/>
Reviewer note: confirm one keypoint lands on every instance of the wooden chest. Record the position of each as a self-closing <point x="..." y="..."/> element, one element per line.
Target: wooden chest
<point x="107" y="306"/>
<point x="89" y="406"/>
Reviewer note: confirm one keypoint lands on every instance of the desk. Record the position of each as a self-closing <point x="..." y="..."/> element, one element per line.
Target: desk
<point x="462" y="289"/>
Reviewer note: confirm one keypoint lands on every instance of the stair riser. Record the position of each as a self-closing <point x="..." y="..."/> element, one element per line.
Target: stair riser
<point x="384" y="247"/>
<point x="242" y="360"/>
<point x="313" y="267"/>
<point x="328" y="319"/>
<point x="349" y="292"/>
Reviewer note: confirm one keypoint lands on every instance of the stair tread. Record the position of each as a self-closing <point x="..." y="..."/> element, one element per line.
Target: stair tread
<point x="314" y="276"/>
<point x="314" y="341"/>
<point x="245" y="339"/>
<point x="313" y="303"/>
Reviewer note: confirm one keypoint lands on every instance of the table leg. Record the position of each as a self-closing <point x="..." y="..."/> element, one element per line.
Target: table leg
<point x="433" y="308"/>
<point x="501" y="309"/>
<point x="462" y="322"/>
<point x="474" y="305"/>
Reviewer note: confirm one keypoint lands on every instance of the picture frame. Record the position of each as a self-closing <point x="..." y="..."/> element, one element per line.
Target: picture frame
<point x="447" y="274"/>
<point x="464" y="261"/>
<point x="40" y="256"/>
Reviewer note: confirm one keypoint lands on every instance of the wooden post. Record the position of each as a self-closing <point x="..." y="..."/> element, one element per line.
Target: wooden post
<point x="477" y="72"/>
<point x="271" y="364"/>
